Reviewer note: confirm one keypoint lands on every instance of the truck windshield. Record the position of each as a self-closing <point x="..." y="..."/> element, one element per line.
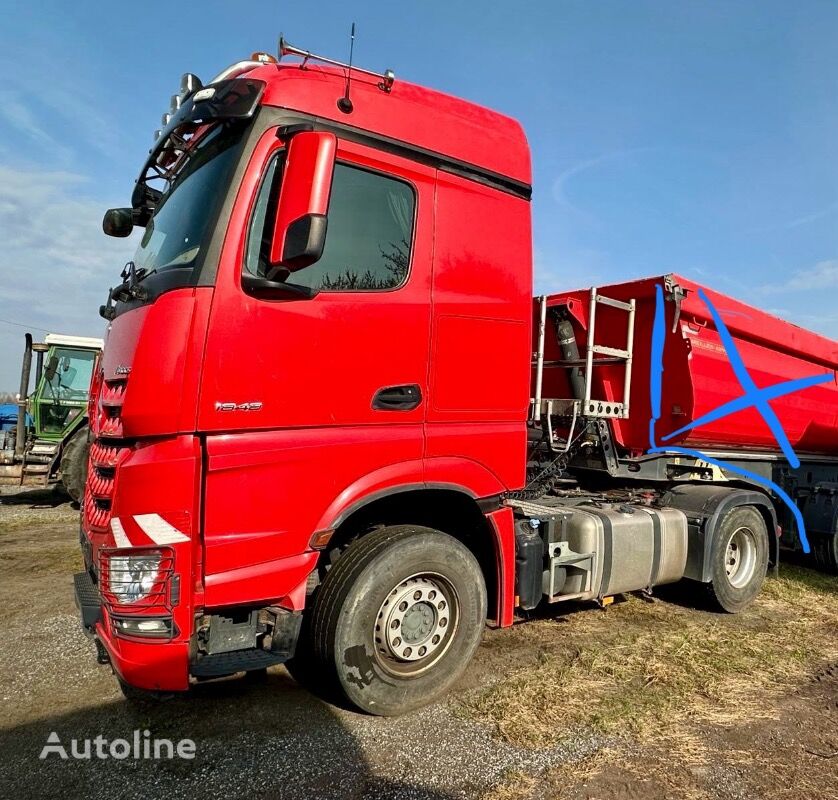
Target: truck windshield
<point x="176" y="233"/>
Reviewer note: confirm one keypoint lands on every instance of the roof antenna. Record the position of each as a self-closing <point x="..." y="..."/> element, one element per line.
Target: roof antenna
<point x="344" y="103"/>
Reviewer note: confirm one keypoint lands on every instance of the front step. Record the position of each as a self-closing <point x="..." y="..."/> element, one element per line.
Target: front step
<point x="216" y="665"/>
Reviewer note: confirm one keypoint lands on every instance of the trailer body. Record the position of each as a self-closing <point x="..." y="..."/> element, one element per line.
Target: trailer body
<point x="698" y="370"/>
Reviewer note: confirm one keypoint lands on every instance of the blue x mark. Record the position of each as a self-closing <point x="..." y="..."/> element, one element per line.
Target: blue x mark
<point x="753" y="397"/>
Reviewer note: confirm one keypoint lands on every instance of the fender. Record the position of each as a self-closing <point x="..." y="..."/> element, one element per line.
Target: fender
<point x="705" y="506"/>
<point x="456" y="474"/>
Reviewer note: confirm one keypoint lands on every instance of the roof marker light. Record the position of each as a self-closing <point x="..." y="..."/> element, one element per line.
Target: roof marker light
<point x="204" y="94"/>
<point x="264" y="58"/>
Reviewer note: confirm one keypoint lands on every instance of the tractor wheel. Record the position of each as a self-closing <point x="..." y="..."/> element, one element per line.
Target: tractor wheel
<point x="739" y="560"/>
<point x="396" y="620"/>
<point x="74" y="464"/>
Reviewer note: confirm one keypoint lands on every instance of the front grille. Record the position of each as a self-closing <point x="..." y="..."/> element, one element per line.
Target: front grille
<point x="105" y="453"/>
<point x="109" y="409"/>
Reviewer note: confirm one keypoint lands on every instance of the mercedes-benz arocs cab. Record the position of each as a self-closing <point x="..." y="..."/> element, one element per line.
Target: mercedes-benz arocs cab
<point x="334" y="429"/>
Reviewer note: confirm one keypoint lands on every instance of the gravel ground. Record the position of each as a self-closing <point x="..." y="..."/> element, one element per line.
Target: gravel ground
<point x="271" y="739"/>
<point x="253" y="739"/>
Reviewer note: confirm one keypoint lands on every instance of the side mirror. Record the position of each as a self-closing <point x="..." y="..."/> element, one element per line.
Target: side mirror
<point x="118" y="222"/>
<point x="300" y="228"/>
<point x="52" y="368"/>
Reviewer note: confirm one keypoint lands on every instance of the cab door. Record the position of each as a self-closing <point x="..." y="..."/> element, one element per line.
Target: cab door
<point x="310" y="401"/>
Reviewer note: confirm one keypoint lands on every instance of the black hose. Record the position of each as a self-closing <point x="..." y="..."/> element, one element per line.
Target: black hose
<point x="570" y="352"/>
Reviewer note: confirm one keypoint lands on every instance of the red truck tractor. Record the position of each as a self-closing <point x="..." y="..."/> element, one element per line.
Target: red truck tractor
<point x="334" y="429"/>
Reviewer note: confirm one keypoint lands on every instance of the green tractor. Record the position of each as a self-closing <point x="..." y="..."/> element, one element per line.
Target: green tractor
<point x="48" y="440"/>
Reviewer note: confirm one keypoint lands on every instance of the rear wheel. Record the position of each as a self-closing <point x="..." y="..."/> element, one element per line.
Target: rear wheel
<point x="825" y="551"/>
<point x="74" y="464"/>
<point x="396" y="621"/>
<point x="739" y="560"/>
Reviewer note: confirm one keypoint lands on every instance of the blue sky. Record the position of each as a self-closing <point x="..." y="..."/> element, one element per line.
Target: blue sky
<point x="696" y="137"/>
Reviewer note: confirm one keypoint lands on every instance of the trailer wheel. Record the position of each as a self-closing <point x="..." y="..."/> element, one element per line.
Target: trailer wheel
<point x="825" y="551"/>
<point x="740" y="559"/>
<point x="74" y="464"/>
<point x="396" y="620"/>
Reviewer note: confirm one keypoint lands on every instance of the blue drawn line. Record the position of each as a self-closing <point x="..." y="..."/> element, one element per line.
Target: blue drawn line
<point x="769" y="484"/>
<point x="753" y="398"/>
<point x="731" y="407"/>
<point x="752" y="393"/>
<point x="656" y="371"/>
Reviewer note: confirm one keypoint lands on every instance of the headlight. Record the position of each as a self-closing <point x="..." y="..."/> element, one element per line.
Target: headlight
<point x="135" y="577"/>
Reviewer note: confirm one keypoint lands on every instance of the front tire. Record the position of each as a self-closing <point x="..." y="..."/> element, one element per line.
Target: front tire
<point x="397" y="619"/>
<point x="739" y="560"/>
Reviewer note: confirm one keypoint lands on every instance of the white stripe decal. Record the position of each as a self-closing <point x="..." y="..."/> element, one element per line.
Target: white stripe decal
<point x="119" y="535"/>
<point x="158" y="530"/>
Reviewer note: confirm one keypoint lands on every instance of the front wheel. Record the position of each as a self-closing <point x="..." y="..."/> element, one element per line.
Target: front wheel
<point x="397" y="619"/>
<point x="739" y="560"/>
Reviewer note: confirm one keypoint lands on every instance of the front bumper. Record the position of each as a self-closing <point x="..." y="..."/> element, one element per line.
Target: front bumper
<point x="153" y="665"/>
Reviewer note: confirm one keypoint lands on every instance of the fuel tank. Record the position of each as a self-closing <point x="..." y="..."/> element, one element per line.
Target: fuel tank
<point x="698" y="374"/>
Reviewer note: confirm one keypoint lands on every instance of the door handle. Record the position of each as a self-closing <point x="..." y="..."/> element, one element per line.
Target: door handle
<point x="397" y="398"/>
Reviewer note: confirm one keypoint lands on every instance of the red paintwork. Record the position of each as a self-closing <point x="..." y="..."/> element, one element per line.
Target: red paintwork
<point x="409" y="113"/>
<point x="158" y="477"/>
<point x="305" y="149"/>
<point x="697" y="374"/>
<point x="250" y="486"/>
<point x="253" y="486"/>
<point x="503" y="527"/>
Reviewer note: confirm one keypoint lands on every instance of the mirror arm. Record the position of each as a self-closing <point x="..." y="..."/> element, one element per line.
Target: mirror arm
<point x="253" y="284"/>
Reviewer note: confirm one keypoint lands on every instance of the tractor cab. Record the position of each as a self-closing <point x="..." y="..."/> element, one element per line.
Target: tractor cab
<point x="59" y="401"/>
<point x="49" y="442"/>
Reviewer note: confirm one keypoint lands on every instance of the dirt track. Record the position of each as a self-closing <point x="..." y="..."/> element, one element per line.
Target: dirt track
<point x="272" y="739"/>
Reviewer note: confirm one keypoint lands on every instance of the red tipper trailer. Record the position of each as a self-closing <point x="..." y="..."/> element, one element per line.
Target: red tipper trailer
<point x="698" y="376"/>
<point x="327" y="433"/>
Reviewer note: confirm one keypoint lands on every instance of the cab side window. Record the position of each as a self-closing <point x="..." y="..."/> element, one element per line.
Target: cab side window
<point x="368" y="238"/>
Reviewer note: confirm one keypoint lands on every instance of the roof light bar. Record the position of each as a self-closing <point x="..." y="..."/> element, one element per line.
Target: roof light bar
<point x="189" y="84"/>
<point x="386" y="78"/>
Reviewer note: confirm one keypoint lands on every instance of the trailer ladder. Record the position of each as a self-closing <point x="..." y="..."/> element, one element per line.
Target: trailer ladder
<point x="588" y="406"/>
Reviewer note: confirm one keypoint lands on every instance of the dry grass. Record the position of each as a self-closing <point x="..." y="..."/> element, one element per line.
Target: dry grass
<point x="642" y="667"/>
